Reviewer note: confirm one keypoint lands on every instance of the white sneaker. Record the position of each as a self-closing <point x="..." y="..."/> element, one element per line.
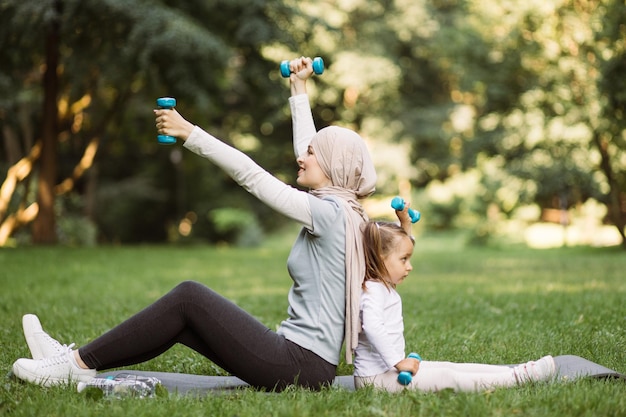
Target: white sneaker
<point x="59" y="369"/>
<point x="40" y="343"/>
<point x="534" y="371"/>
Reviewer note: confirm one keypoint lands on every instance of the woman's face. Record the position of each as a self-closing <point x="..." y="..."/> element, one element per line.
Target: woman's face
<point x="398" y="261"/>
<point x="310" y="174"/>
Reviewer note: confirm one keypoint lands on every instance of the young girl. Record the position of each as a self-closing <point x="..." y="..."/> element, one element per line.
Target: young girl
<point x="380" y="354"/>
<point x="326" y="265"/>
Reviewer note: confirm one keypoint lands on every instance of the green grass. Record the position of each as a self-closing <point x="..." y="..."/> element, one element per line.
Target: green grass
<point x="492" y="305"/>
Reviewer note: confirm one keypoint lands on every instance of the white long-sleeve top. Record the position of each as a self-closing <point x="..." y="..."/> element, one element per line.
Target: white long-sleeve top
<point x="381" y="341"/>
<point x="316" y="263"/>
<point x="303" y="124"/>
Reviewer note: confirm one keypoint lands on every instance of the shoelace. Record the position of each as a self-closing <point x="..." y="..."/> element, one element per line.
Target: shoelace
<point x="58" y="359"/>
<point x="59" y="348"/>
<point x="55" y="343"/>
<point x="534" y="375"/>
<point x="522" y="372"/>
<point x="526" y="372"/>
<point x="517" y="372"/>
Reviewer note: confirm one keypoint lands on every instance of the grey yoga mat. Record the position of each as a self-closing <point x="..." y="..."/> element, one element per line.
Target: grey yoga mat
<point x="569" y="367"/>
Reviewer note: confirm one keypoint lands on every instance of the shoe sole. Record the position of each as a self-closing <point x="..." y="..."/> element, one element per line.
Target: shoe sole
<point x="26" y="375"/>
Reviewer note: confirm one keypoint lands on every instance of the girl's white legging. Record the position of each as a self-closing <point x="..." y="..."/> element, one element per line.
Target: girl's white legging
<point x="435" y="376"/>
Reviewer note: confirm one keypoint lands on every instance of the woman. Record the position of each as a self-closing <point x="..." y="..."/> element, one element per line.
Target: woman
<point x="326" y="265"/>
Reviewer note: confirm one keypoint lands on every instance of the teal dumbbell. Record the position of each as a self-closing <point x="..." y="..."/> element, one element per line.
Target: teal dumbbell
<point x="318" y="67"/>
<point x="166" y="103"/>
<point x="405" y="377"/>
<point x="398" y="204"/>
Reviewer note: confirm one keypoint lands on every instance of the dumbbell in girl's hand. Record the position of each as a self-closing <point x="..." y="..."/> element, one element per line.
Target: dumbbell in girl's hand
<point x="318" y="67"/>
<point x="398" y="204"/>
<point x="405" y="377"/>
<point x="166" y="103"/>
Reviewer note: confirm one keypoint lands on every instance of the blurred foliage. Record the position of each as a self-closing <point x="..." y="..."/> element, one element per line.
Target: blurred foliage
<point x="527" y="96"/>
<point x="234" y="225"/>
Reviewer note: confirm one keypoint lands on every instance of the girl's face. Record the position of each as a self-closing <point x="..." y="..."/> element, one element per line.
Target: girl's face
<point x="310" y="174"/>
<point x="398" y="261"/>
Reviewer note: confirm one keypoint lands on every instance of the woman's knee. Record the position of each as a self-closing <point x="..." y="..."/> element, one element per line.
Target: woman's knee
<point x="189" y="284"/>
<point x="189" y="288"/>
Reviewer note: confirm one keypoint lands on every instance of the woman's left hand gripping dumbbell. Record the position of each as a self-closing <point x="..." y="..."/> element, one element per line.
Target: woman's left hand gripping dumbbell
<point x="170" y="123"/>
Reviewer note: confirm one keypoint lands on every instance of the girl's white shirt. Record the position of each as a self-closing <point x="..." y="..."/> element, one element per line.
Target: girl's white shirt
<point x="381" y="341"/>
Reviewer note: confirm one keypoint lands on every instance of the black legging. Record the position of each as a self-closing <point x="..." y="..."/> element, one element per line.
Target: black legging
<point x="208" y="323"/>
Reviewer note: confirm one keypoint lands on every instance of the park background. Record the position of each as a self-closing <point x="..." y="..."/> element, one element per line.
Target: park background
<point x="501" y="118"/>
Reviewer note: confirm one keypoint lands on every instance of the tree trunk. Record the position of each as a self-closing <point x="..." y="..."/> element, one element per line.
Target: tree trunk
<point x="44" y="226"/>
<point x="615" y="201"/>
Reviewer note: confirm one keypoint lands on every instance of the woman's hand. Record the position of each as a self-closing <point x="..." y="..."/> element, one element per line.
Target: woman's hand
<point x="301" y="70"/>
<point x="408" y="365"/>
<point x="171" y="123"/>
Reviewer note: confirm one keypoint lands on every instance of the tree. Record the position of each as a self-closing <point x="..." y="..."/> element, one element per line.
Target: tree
<point x="527" y="95"/>
<point x="44" y="224"/>
<point x="566" y="125"/>
<point x="530" y="91"/>
<point x="99" y="86"/>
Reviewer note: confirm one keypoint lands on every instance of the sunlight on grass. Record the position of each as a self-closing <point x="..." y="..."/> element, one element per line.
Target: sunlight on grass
<point x="547" y="235"/>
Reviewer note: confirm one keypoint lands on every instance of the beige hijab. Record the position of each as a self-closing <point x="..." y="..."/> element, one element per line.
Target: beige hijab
<point x="344" y="158"/>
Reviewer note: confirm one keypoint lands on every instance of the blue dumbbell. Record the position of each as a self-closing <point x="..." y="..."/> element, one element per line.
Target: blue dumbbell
<point x="318" y="67"/>
<point x="398" y="204"/>
<point x="166" y="103"/>
<point x="405" y="377"/>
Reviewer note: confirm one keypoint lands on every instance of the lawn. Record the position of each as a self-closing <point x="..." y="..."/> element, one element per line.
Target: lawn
<point x="491" y="305"/>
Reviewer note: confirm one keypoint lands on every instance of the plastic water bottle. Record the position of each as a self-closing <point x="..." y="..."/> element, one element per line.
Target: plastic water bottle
<point x="122" y="385"/>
